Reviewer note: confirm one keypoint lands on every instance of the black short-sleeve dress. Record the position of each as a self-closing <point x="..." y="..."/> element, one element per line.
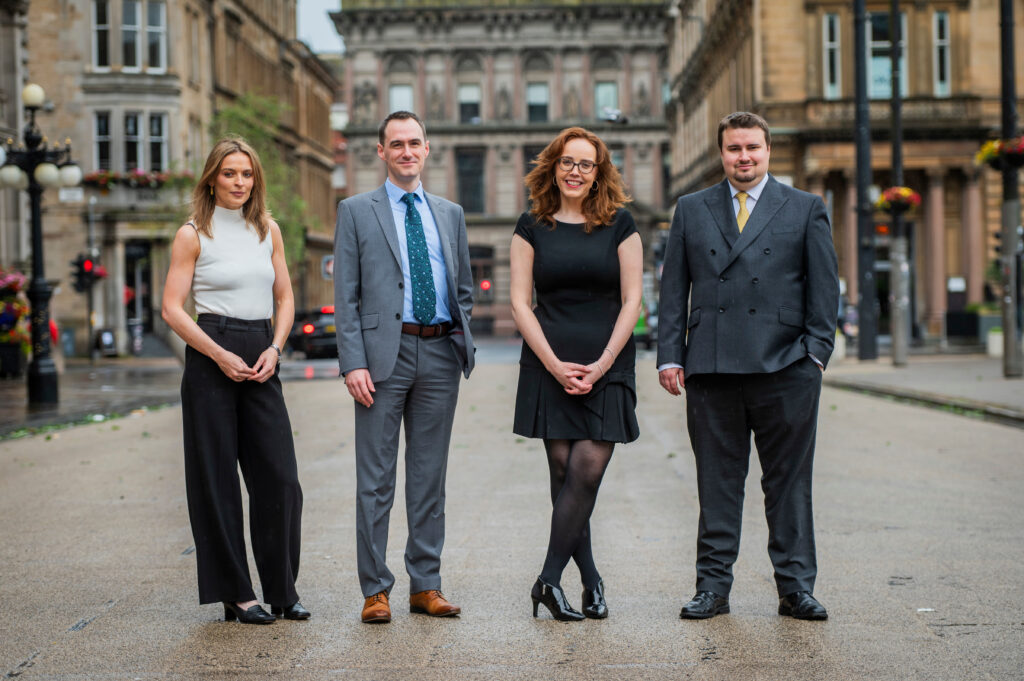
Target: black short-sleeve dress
<point x="576" y="276"/>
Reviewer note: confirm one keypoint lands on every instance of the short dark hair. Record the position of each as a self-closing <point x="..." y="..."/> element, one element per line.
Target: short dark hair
<point x="399" y="116"/>
<point x="744" y="119"/>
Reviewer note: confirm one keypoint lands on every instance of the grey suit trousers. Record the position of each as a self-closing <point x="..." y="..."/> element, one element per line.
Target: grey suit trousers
<point x="420" y="394"/>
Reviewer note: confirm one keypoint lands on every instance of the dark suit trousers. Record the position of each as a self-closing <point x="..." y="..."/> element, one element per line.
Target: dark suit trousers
<point x="228" y="425"/>
<point x="781" y="409"/>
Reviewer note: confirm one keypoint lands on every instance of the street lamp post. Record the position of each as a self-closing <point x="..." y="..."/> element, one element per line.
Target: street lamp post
<point x="32" y="165"/>
<point x="1013" y="363"/>
<point x="899" y="273"/>
<point x="867" y="334"/>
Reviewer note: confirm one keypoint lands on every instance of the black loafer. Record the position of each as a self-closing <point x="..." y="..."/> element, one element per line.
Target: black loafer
<point x="705" y="604"/>
<point x="295" y="611"/>
<point x="802" y="606"/>
<point x="254" y="615"/>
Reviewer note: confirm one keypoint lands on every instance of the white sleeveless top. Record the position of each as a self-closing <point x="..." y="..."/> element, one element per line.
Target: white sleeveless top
<point x="234" y="275"/>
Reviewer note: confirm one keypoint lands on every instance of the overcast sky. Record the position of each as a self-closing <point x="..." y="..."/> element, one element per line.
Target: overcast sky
<point x="316" y="28"/>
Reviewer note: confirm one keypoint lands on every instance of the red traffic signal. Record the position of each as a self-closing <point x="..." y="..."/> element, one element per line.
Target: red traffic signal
<point x="87" y="266"/>
<point x="485" y="284"/>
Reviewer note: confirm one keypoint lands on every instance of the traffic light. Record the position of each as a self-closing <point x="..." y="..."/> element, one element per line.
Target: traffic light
<point x="83" y="272"/>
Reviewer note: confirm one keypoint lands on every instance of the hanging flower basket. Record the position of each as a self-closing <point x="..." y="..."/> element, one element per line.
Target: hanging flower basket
<point x="15" y="341"/>
<point x="998" y="154"/>
<point x="138" y="177"/>
<point x="101" y="179"/>
<point x="898" y="199"/>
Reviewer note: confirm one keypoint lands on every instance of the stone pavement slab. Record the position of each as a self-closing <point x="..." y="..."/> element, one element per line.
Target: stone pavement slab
<point x="918" y="529"/>
<point x="967" y="383"/>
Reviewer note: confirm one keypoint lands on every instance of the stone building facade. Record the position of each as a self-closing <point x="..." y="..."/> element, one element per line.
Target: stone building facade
<point x="495" y="81"/>
<point x="14" y="242"/>
<point x="792" y="62"/>
<point x="135" y="85"/>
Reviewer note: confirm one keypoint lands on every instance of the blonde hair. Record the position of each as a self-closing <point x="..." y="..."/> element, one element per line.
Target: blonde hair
<point x="203" y="202"/>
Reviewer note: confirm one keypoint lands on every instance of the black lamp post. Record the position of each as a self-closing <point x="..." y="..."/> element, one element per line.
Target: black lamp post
<point x="33" y="166"/>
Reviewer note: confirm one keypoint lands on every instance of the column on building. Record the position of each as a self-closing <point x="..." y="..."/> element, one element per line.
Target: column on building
<point x="449" y="91"/>
<point x="448" y="155"/>
<point x="555" y="101"/>
<point x="586" y="86"/>
<point x="518" y="89"/>
<point x="491" y="159"/>
<point x="816" y="184"/>
<point x="973" y="244"/>
<point x="420" y="98"/>
<point x="935" y="252"/>
<point x="382" y="86"/>
<point x="626" y="99"/>
<point x="488" y="109"/>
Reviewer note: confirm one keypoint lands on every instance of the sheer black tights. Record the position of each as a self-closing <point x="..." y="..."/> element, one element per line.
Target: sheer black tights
<point x="576" y="468"/>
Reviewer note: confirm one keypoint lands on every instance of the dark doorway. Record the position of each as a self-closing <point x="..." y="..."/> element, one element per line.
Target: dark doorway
<point x="138" y="275"/>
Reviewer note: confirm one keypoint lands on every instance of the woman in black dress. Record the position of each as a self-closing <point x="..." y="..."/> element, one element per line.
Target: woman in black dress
<point x="577" y="388"/>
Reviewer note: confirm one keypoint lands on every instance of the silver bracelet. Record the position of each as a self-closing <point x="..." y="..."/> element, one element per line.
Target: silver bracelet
<point x="274" y="345"/>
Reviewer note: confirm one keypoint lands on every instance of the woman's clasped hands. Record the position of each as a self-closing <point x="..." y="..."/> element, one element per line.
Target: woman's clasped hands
<point x="235" y="368"/>
<point x="577" y="379"/>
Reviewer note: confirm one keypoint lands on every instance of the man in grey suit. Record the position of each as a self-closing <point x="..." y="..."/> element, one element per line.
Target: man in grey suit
<point x="403" y="293"/>
<point x="755" y="261"/>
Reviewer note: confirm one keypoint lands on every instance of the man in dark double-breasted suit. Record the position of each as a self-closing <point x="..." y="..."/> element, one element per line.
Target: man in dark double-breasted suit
<point x="749" y="296"/>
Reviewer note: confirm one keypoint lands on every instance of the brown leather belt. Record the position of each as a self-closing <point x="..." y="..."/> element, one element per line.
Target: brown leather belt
<point x="427" y="330"/>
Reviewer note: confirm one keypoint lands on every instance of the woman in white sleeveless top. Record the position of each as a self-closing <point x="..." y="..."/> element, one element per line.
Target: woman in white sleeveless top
<point x="230" y="257"/>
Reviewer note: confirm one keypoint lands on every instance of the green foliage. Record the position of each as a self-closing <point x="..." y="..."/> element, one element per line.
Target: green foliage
<point x="254" y="117"/>
<point x="982" y="308"/>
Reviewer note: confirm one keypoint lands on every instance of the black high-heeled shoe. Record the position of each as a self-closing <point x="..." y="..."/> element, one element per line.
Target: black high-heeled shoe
<point x="254" y="615"/>
<point x="554" y="600"/>
<point x="594" y="606"/>
<point x="295" y="611"/>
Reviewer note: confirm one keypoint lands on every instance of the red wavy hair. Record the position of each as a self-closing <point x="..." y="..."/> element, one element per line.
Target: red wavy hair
<point x="599" y="206"/>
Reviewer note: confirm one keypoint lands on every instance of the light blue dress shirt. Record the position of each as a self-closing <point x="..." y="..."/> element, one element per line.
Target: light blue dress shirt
<point x="433" y="237"/>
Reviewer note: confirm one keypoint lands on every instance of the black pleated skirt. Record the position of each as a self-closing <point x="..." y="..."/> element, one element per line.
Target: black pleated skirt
<point x="606" y="413"/>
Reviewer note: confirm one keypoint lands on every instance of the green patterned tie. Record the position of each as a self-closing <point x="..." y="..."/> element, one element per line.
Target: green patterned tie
<point x="424" y="298"/>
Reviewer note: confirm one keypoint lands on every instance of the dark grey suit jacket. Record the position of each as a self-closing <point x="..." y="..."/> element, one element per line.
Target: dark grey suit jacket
<point x="758" y="301"/>
<point x="368" y="294"/>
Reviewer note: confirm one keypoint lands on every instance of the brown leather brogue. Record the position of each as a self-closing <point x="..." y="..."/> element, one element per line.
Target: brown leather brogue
<point x="432" y="602"/>
<point x="376" y="609"/>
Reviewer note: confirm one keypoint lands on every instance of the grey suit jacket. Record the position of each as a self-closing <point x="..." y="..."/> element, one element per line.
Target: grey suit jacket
<point x="368" y="294"/>
<point x="758" y="300"/>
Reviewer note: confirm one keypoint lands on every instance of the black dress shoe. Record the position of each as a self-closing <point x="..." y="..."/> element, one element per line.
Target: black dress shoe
<point x="802" y="606"/>
<point x="594" y="606"/>
<point x="554" y="600"/>
<point x="254" y="615"/>
<point x="705" y="604"/>
<point x="295" y="611"/>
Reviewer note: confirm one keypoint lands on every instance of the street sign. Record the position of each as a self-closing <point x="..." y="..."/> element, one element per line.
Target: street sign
<point x="71" y="194"/>
<point x="327" y="267"/>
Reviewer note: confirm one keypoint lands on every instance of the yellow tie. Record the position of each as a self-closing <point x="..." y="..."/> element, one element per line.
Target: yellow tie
<point x="743" y="215"/>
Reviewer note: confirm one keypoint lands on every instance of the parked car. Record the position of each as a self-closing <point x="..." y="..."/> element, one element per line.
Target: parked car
<point x="314" y="334"/>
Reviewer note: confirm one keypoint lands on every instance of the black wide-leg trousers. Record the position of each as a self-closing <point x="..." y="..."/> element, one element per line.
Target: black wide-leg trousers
<point x="781" y="410"/>
<point x="228" y="425"/>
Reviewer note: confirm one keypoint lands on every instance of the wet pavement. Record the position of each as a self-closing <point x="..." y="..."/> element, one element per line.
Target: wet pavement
<point x="917" y="514"/>
<point x="972" y="384"/>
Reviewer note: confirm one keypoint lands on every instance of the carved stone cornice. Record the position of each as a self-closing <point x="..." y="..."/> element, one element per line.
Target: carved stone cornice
<point x="721" y="35"/>
<point x="14" y="7"/>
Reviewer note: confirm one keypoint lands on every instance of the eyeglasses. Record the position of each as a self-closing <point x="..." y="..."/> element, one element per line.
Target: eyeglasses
<point x="566" y="163"/>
